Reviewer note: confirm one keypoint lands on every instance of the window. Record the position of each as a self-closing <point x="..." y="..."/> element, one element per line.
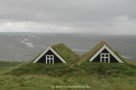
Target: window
<point x="105" y="57"/>
<point x="49" y="58"/>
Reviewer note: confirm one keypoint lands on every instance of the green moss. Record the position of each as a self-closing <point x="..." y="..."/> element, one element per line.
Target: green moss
<point x="89" y="54"/>
<point x="66" y="53"/>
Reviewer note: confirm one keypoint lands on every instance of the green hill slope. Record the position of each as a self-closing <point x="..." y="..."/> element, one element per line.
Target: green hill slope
<point x="112" y="69"/>
<point x="97" y="76"/>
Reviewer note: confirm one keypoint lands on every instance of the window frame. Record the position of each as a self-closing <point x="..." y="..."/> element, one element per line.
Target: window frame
<point x="104" y="57"/>
<point x="49" y="58"/>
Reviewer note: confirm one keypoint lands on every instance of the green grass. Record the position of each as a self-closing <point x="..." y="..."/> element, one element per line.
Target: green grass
<point x="133" y="62"/>
<point x="106" y="69"/>
<point x="68" y="55"/>
<point x="42" y="82"/>
<point x="41" y="69"/>
<point x="98" y="76"/>
<point x="7" y="66"/>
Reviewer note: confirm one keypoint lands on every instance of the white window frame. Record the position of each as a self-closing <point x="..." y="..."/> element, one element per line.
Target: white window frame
<point x="49" y="58"/>
<point x="105" y="56"/>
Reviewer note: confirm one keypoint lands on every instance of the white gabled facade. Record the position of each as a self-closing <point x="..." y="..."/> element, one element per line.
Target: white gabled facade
<point x="109" y="50"/>
<point x="49" y="48"/>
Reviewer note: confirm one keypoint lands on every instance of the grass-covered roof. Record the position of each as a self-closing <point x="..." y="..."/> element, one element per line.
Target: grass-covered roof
<point x="66" y="53"/>
<point x="89" y="54"/>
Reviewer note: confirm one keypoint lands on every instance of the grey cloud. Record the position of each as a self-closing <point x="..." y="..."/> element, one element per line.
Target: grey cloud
<point x="79" y="14"/>
<point x="70" y="10"/>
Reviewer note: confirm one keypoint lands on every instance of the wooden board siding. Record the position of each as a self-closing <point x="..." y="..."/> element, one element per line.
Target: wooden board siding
<point x="43" y="58"/>
<point x="112" y="59"/>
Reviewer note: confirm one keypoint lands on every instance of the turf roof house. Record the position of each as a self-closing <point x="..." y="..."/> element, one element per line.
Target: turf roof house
<point x="102" y="53"/>
<point x="57" y="54"/>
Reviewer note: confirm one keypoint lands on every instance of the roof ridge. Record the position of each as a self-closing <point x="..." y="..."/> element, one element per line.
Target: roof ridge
<point x="103" y="42"/>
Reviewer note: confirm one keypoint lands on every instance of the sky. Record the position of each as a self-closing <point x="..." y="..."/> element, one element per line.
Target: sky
<point x="112" y="17"/>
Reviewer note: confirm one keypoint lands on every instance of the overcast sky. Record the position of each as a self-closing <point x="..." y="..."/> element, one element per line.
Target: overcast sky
<point x="69" y="16"/>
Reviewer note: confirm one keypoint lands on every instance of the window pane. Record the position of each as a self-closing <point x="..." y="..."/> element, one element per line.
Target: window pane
<point x="107" y="59"/>
<point x="107" y="55"/>
<point x="49" y="58"/>
<point x="102" y="59"/>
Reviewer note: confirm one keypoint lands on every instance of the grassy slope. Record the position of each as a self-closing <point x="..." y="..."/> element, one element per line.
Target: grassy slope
<point x="70" y="56"/>
<point x="17" y="76"/>
<point x="7" y="66"/>
<point x="40" y="76"/>
<point x="89" y="54"/>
